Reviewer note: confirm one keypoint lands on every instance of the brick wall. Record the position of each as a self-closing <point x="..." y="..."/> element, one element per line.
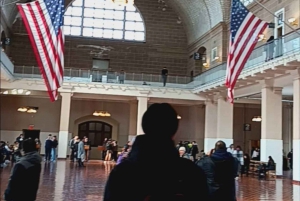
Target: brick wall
<point x="165" y="46"/>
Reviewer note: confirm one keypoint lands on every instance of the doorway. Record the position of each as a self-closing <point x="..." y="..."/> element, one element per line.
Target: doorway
<point x="96" y="132"/>
<point x="33" y="134"/>
<point x="279" y="32"/>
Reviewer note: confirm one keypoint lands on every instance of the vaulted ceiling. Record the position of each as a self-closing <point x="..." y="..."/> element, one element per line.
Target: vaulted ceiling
<point x="198" y="16"/>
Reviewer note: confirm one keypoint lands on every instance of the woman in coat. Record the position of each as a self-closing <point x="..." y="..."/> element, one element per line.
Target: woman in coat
<point x="80" y="153"/>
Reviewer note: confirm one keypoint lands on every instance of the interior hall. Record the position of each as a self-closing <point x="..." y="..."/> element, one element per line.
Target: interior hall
<point x="118" y="60"/>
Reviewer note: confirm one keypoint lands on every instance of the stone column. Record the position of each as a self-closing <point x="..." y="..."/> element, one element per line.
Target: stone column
<point x="225" y="120"/>
<point x="296" y="129"/>
<point x="63" y="139"/>
<point x="132" y="120"/>
<point x="271" y="126"/>
<point x="142" y="107"/>
<point x="210" y="131"/>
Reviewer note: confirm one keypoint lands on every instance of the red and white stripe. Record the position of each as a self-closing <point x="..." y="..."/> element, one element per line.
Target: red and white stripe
<point x="47" y="46"/>
<point x="241" y="48"/>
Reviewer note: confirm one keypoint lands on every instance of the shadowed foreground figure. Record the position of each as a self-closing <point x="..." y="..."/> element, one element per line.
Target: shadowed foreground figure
<point x="24" y="180"/>
<point x="153" y="170"/>
<point x="220" y="169"/>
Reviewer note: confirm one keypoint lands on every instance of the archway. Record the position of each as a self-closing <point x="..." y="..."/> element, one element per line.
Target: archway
<point x="96" y="128"/>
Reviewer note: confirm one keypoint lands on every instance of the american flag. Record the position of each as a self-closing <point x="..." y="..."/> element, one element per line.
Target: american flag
<point x="244" y="31"/>
<point x="43" y="20"/>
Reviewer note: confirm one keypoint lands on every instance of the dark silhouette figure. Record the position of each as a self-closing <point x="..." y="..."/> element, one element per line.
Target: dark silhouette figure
<point x="153" y="174"/>
<point x="220" y="169"/>
<point x="164" y="75"/>
<point x="24" y="180"/>
<point x="270" y="48"/>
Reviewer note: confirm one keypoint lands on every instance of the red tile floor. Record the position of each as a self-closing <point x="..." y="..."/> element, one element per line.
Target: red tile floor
<point x="63" y="181"/>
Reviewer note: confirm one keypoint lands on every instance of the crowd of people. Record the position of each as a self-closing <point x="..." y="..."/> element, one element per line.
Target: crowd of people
<point x="80" y="150"/>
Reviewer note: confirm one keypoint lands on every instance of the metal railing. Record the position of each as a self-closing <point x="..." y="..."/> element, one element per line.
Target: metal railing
<point x="288" y="44"/>
<point x="85" y="75"/>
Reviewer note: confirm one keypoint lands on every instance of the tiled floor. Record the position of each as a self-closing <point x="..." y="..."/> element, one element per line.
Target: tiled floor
<point x="65" y="182"/>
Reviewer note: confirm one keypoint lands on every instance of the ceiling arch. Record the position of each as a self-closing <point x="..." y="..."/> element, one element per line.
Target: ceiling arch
<point x="198" y="16"/>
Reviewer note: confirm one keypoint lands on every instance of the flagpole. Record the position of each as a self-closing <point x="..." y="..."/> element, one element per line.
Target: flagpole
<point x="287" y="24"/>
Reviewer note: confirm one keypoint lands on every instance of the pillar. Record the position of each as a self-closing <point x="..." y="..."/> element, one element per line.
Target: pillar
<point x="271" y="126"/>
<point x="142" y="107"/>
<point x="210" y="131"/>
<point x="132" y="120"/>
<point x="63" y="139"/>
<point x="225" y="121"/>
<point x="296" y="129"/>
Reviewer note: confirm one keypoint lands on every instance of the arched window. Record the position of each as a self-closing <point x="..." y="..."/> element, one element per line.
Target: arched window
<point x="96" y="131"/>
<point x="247" y="2"/>
<point x="104" y="19"/>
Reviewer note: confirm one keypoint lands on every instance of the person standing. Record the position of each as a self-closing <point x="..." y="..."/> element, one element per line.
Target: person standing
<point x="80" y="153"/>
<point x="87" y="148"/>
<point x="122" y="77"/>
<point x="24" y="180"/>
<point x="53" y="149"/>
<point x="220" y="169"/>
<point x="194" y="150"/>
<point x="239" y="155"/>
<point x="48" y="148"/>
<point x="104" y="149"/>
<point x="20" y="140"/>
<point x="72" y="148"/>
<point x="164" y="75"/>
<point x="290" y="158"/>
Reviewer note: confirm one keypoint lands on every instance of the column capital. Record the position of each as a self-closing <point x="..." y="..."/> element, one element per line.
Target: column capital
<point x="277" y="90"/>
<point x="296" y="74"/>
<point x="64" y="94"/>
<point x="142" y="98"/>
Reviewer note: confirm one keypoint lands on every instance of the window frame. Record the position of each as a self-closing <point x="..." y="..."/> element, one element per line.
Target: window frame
<point x="124" y="30"/>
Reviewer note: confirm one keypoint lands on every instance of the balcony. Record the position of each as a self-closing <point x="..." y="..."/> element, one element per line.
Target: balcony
<point x="7" y="67"/>
<point x="282" y="51"/>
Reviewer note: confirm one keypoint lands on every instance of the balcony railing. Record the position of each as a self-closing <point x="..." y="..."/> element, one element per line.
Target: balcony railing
<point x="283" y="46"/>
<point x="85" y="75"/>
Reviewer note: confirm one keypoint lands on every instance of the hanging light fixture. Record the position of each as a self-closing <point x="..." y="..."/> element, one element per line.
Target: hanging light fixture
<point x="27" y="109"/>
<point x="101" y="114"/>
<point x="178" y="117"/>
<point x="257" y="119"/>
<point x="123" y="2"/>
<point x="22" y="109"/>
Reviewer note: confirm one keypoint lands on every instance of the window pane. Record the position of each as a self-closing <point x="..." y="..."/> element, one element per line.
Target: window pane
<point x="138" y="17"/>
<point x="68" y="11"/>
<point x="118" y="34"/>
<point x="130" y="8"/>
<point x="67" y="20"/>
<point x="83" y="127"/>
<point x="99" y="5"/>
<point x="99" y="23"/>
<point x="77" y="3"/>
<point x="99" y="126"/>
<point x="129" y="35"/>
<point x="107" y="33"/>
<point x="92" y="126"/>
<point x="87" y="32"/>
<point x="88" y="12"/>
<point x="67" y="30"/>
<point x="91" y="137"/>
<point x="109" y="5"/>
<point x="98" y="33"/>
<point x="76" y="21"/>
<point x="107" y="135"/>
<point x="119" y="15"/>
<point x="118" y="24"/>
<point x="107" y="128"/>
<point x="98" y="139"/>
<point x="108" y="14"/>
<point x="99" y="13"/>
<point x="89" y="3"/>
<point x="76" y="31"/>
<point x="140" y="36"/>
<point x="130" y="25"/>
<point x="119" y="7"/>
<point x="139" y="26"/>
<point x="88" y="22"/>
<point x="76" y="11"/>
<point x="130" y="16"/>
<point x="109" y="24"/>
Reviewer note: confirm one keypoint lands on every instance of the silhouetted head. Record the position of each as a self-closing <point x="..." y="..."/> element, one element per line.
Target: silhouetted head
<point x="160" y="120"/>
<point x="220" y="145"/>
<point x="29" y="145"/>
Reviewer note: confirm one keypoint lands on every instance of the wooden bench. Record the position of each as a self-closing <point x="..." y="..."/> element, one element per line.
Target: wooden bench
<point x="254" y="170"/>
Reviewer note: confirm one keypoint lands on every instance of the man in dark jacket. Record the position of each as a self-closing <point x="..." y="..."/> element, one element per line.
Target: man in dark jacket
<point x="48" y="148"/>
<point x="152" y="174"/>
<point x="24" y="180"/>
<point x="220" y="169"/>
